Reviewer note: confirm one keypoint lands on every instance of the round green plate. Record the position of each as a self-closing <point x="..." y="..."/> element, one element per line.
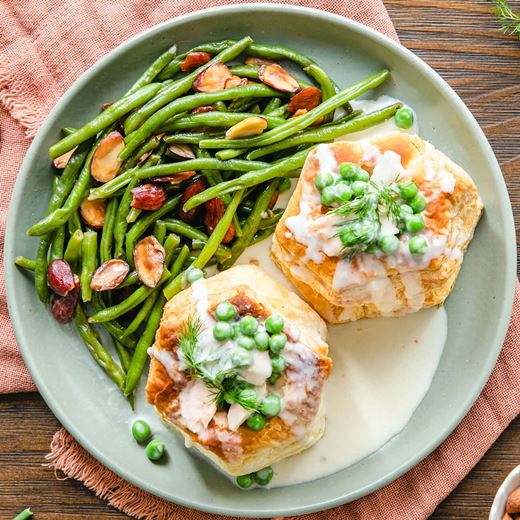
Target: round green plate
<point x="91" y="408"/>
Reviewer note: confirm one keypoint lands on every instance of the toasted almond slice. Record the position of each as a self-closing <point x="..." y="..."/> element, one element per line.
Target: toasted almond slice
<point x="93" y="212"/>
<point x="214" y="210"/>
<point x="176" y="178"/>
<point x="308" y="98"/>
<point x="249" y="127"/>
<point x="194" y="187"/>
<point x="203" y="109"/>
<point x="235" y="81"/>
<point x="148" y="197"/>
<point x="277" y="77"/>
<point x="181" y="151"/>
<point x="62" y="161"/>
<point x="213" y="78"/>
<point x="104" y="106"/>
<point x="109" y="275"/>
<point x="105" y="162"/>
<point x="149" y="257"/>
<point x="194" y="60"/>
<point x="299" y="112"/>
<point x="144" y="157"/>
<point x="258" y="62"/>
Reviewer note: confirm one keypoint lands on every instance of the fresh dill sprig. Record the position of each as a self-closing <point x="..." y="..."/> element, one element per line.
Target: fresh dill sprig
<point x="509" y="19"/>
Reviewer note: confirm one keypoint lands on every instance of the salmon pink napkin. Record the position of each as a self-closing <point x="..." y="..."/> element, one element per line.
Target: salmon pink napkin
<point x="44" y="46"/>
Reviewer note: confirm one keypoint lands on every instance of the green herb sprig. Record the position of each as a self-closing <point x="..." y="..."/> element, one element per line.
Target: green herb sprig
<point x="509" y="19"/>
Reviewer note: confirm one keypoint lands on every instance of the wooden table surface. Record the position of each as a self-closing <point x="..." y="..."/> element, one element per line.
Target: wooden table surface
<point x="460" y="40"/>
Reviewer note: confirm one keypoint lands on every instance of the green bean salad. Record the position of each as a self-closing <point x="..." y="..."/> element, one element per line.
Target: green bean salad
<point x="181" y="173"/>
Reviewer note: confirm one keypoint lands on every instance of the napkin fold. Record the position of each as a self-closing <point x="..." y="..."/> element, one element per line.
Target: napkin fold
<point x="44" y="46"/>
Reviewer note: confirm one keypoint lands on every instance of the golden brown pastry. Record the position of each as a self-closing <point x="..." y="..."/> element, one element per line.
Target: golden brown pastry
<point x="221" y="421"/>
<point x="347" y="272"/>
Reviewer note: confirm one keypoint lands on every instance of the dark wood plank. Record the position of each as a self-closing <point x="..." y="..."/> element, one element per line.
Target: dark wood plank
<point x="460" y="40"/>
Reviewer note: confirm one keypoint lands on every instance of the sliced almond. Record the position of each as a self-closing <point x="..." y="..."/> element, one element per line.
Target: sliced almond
<point x="104" y="106"/>
<point x="149" y="257"/>
<point x="258" y="62"/>
<point x="105" y="162"/>
<point x="194" y="187"/>
<point x="62" y="161"/>
<point x="308" y="98"/>
<point x="176" y="178"/>
<point x="181" y="151"/>
<point x="109" y="275"/>
<point x="249" y="127"/>
<point x="214" y="210"/>
<point x="235" y="81"/>
<point x="144" y="157"/>
<point x="299" y="112"/>
<point x="93" y="212"/>
<point x="194" y="60"/>
<point x="213" y="78"/>
<point x="148" y="197"/>
<point x="277" y="77"/>
<point x="203" y="109"/>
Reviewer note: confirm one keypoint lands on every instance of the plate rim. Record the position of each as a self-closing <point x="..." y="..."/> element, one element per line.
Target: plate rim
<point x="507" y="297"/>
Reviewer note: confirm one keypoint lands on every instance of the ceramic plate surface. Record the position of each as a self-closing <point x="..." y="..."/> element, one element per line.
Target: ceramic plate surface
<point x="478" y="309"/>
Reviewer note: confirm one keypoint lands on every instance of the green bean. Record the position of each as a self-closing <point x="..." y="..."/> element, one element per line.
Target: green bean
<point x="133" y="215"/>
<point x="328" y="133"/>
<point x="74" y="223"/>
<point x="278" y="169"/>
<point x="24" y="515"/>
<point x="220" y="106"/>
<point x="97" y="350"/>
<point x="26" y="263"/>
<point x="159" y="231"/>
<point x="182" y="228"/>
<point x="138" y="296"/>
<point x="272" y="104"/>
<point x="180" y="87"/>
<point x="186" y="138"/>
<point x="120" y="222"/>
<point x="154" y="122"/>
<point x="251" y="225"/>
<point x="107" y="235"/>
<point x="271" y="221"/>
<point x="67" y="130"/>
<point x="328" y="89"/>
<point x="58" y="244"/>
<point x="131" y="279"/>
<point x="280" y="111"/>
<point x="151" y="144"/>
<point x="40" y="271"/>
<point x="59" y="215"/>
<point x="294" y="125"/>
<point x="110" y="188"/>
<point x="170" y="244"/>
<point x="180" y="261"/>
<point x="124" y="356"/>
<point x="262" y="235"/>
<point x="154" y="69"/>
<point x="143" y="313"/>
<point x="218" y="119"/>
<point x="145" y="341"/>
<point x="228" y="153"/>
<point x="104" y="120"/>
<point x="142" y="224"/>
<point x="73" y="251"/>
<point x="117" y="331"/>
<point x="88" y="263"/>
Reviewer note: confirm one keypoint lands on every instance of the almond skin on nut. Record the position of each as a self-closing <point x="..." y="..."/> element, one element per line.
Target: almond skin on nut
<point x="109" y="275"/>
<point x="192" y="189"/>
<point x="149" y="257"/>
<point x="194" y="60"/>
<point x="513" y="502"/>
<point x="203" y="109"/>
<point x="308" y="98"/>
<point x="176" y="178"/>
<point x="93" y="212"/>
<point x="277" y="77"/>
<point x="213" y="78"/>
<point x="60" y="277"/>
<point x="148" y="197"/>
<point x="249" y="127"/>
<point x="105" y="162"/>
<point x="235" y="81"/>
<point x="63" y="307"/>
<point x="214" y="210"/>
<point x="181" y="151"/>
<point x="258" y="62"/>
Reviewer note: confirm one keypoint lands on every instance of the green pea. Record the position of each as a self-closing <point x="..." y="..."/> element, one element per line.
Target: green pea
<point x="408" y="190"/>
<point x="278" y="364"/>
<point x="322" y="180"/>
<point x="242" y="358"/>
<point x="348" y="170"/>
<point x="141" y="430"/>
<point x="404" y="118"/>
<point x="343" y="193"/>
<point x="361" y="175"/>
<point x="246" y="342"/>
<point x="263" y="476"/>
<point x="418" y="245"/>
<point x="271" y="405"/>
<point x="359" y="188"/>
<point x="274" y="323"/>
<point x="415" y="223"/>
<point x="262" y="340"/>
<point x="244" y="481"/>
<point x="155" y="449"/>
<point x="328" y="196"/>
<point x="277" y="342"/>
<point x="256" y="422"/>
<point x="225" y="311"/>
<point x="235" y="330"/>
<point x="418" y="203"/>
<point x="389" y="244"/>
<point x="247" y="398"/>
<point x="285" y="185"/>
<point x="193" y="274"/>
<point x="248" y="325"/>
<point x="274" y="377"/>
<point x="406" y="209"/>
<point x="222" y="331"/>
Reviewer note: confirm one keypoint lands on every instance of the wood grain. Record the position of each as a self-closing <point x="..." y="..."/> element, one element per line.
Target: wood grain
<point x="460" y="40"/>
